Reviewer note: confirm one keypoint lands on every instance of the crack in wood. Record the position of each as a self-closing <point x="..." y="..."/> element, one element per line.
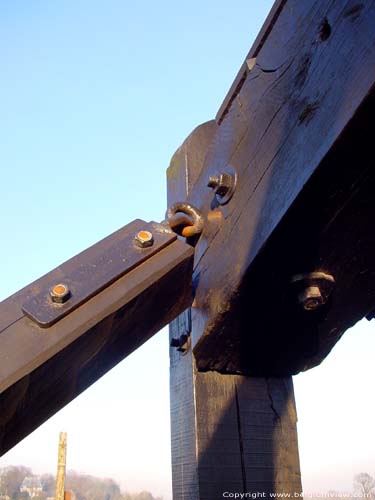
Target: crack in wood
<point x="240" y="438"/>
<point x="272" y="405"/>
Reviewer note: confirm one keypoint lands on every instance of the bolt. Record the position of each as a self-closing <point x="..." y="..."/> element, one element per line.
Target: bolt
<point x="213" y="181"/>
<point x="60" y="293"/>
<point x="182" y="343"/>
<point x="144" y="239"/>
<point x="175" y="342"/>
<point x="314" y="289"/>
<point x="311" y="298"/>
<point x="223" y="185"/>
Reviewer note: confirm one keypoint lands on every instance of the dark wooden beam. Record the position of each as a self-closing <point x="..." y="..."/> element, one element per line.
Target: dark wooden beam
<point x="44" y="368"/>
<point x="296" y="127"/>
<point x="230" y="433"/>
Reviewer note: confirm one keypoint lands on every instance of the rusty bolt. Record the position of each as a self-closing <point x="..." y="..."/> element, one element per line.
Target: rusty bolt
<point x="311" y="298"/>
<point x="60" y="293"/>
<point x="144" y="239"/>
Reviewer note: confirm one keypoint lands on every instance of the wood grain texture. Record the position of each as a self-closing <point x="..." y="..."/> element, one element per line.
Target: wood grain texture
<point x="43" y="369"/>
<point x="185" y="472"/>
<point x="246" y="435"/>
<point x="297" y="131"/>
<point x="182" y="174"/>
<point x="253" y="52"/>
<point x="230" y="433"/>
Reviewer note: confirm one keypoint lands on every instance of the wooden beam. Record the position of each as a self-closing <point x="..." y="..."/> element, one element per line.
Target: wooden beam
<point x="296" y="127"/>
<point x="42" y="369"/>
<point x="231" y="434"/>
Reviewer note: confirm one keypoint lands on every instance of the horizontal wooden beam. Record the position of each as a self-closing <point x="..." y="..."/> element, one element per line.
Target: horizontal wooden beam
<point x="44" y="368"/>
<point x="296" y="127"/>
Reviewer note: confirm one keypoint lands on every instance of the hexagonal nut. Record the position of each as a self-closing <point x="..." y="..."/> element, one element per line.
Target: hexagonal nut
<point x="213" y="182"/>
<point x="221" y="183"/>
<point x="60" y="293"/>
<point x="311" y="298"/>
<point x="225" y="184"/>
<point x="144" y="239"/>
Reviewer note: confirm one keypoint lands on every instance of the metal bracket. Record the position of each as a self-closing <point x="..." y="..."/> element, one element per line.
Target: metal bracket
<point x="85" y="275"/>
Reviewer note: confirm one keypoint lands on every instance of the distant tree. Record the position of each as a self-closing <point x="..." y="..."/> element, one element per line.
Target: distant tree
<point x="143" y="495"/>
<point x="364" y="484"/>
<point x="126" y="496"/>
<point x="88" y="487"/>
<point x="84" y="486"/>
<point x="21" y="496"/>
<point x="12" y="477"/>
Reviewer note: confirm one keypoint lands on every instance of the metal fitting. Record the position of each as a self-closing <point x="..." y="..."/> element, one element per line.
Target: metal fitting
<point x="223" y="185"/>
<point x="311" y="298"/>
<point x="213" y="181"/>
<point x="60" y="293"/>
<point x="187" y="216"/>
<point x="144" y="239"/>
<point x="182" y="344"/>
<point x="313" y="289"/>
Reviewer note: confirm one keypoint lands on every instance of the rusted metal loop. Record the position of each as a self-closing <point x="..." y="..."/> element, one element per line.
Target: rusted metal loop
<point x="193" y="223"/>
<point x="180" y="220"/>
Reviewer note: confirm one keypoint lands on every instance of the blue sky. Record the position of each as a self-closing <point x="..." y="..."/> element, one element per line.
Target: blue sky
<point x="95" y="97"/>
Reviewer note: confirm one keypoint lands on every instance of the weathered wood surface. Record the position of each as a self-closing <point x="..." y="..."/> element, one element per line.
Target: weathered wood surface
<point x="230" y="433"/>
<point x="185" y="472"/>
<point x="246" y="435"/>
<point x="297" y="128"/>
<point x="43" y="369"/>
<point x="61" y="467"/>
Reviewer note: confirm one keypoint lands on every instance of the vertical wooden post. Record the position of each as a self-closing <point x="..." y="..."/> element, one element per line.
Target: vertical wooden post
<point x="61" y="465"/>
<point x="231" y="434"/>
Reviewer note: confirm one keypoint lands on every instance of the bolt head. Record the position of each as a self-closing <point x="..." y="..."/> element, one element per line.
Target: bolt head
<point x="223" y="184"/>
<point x="311" y="298"/>
<point x="175" y="342"/>
<point x="60" y="293"/>
<point x="213" y="181"/>
<point x="144" y="239"/>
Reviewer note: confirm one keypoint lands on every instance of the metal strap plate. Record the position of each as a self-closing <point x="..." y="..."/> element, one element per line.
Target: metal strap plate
<point x="91" y="271"/>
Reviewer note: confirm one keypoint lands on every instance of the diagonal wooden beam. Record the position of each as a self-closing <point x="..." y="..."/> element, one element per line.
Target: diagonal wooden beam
<point x="43" y="367"/>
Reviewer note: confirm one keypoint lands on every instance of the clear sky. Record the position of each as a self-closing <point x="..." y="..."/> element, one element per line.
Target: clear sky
<point x="95" y="97"/>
